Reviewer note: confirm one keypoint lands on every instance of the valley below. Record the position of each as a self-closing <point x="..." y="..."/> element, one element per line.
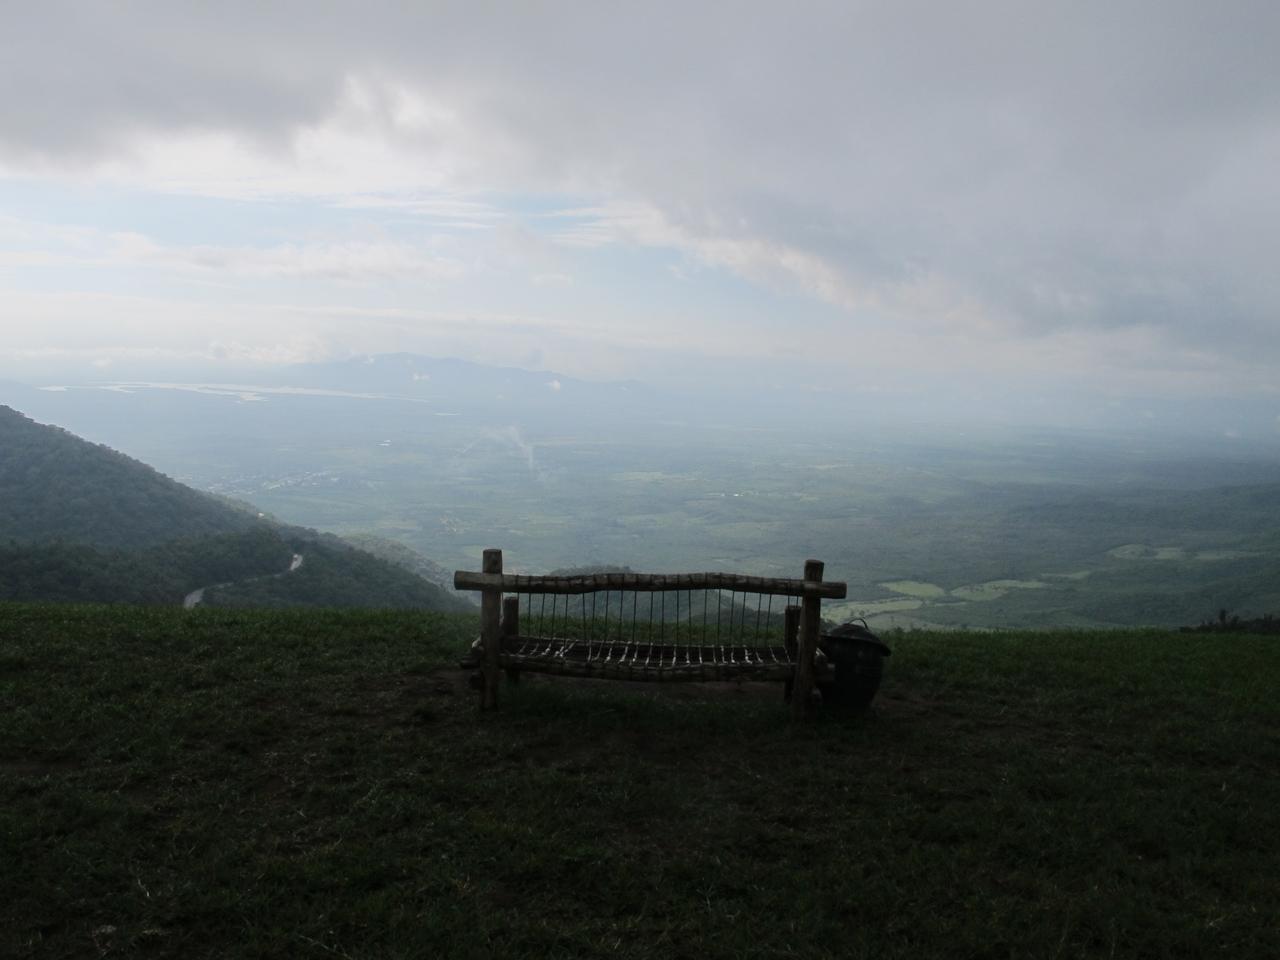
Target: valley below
<point x="976" y="528"/>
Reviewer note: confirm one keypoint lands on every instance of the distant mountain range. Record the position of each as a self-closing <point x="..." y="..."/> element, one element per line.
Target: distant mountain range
<point x="433" y="385"/>
<point x="204" y="426"/>
<point x="81" y="522"/>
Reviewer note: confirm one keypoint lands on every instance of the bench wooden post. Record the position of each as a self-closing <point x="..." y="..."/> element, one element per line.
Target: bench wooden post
<point x="791" y="640"/>
<point x="810" y="625"/>
<point x="510" y="629"/>
<point x="557" y="648"/>
<point x="491" y="631"/>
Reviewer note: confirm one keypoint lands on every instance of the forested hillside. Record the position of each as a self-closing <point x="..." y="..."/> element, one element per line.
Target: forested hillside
<point x="336" y="574"/>
<point x="54" y="485"/>
<point x="165" y="573"/>
<point x="393" y="551"/>
<point x="80" y="522"/>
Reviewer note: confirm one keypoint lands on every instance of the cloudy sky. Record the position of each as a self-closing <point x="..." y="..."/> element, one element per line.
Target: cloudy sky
<point x="1018" y="192"/>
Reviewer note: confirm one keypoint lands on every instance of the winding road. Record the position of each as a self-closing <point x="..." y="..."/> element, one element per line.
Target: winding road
<point x="195" y="597"/>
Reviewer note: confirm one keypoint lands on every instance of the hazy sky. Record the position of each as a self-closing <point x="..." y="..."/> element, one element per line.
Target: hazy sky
<point x="1015" y="192"/>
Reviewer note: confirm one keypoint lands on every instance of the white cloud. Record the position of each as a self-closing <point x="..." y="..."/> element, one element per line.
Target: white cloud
<point x="1060" y="187"/>
<point x="24" y="244"/>
<point x="552" y="280"/>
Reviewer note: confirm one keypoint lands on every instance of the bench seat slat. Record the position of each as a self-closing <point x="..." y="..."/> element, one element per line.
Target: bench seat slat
<point x="640" y="660"/>
<point x="637" y="670"/>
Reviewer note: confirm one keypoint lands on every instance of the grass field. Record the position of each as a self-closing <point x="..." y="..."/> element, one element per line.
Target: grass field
<point x="219" y="784"/>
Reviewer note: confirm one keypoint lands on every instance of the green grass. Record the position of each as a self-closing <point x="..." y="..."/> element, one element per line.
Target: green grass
<point x="215" y="784"/>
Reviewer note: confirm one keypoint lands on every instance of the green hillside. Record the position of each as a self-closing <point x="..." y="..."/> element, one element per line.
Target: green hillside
<point x="238" y="570"/>
<point x="56" y="486"/>
<point x="393" y="551"/>
<point x="336" y="574"/>
<point x="80" y="522"/>
<point x="220" y="783"/>
<point x="165" y="573"/>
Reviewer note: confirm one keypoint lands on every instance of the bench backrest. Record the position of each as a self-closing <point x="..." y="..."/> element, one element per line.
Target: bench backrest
<point x="672" y="614"/>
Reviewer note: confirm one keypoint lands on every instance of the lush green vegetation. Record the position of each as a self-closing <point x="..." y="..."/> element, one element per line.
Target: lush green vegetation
<point x="55" y="486"/>
<point x="238" y="570"/>
<point x="71" y="572"/>
<point x="395" y="552"/>
<point x="335" y="574"/>
<point x="214" y="783"/>
<point x="81" y="523"/>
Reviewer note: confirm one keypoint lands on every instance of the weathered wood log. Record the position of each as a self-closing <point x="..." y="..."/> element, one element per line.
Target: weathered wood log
<point x="810" y="624"/>
<point x="491" y="630"/>
<point x="791" y="641"/>
<point x="511" y="630"/>
<point x="648" y="583"/>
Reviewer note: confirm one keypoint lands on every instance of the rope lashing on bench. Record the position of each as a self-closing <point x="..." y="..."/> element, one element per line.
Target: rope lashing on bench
<point x="548" y="624"/>
<point x="675" y="629"/>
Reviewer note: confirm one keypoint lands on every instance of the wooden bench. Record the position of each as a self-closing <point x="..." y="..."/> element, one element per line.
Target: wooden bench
<point x="637" y="626"/>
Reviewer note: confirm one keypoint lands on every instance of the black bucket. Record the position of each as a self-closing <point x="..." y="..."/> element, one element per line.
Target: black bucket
<point x="857" y="656"/>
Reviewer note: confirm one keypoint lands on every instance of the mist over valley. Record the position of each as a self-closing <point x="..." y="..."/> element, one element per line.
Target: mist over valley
<point x="996" y="525"/>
